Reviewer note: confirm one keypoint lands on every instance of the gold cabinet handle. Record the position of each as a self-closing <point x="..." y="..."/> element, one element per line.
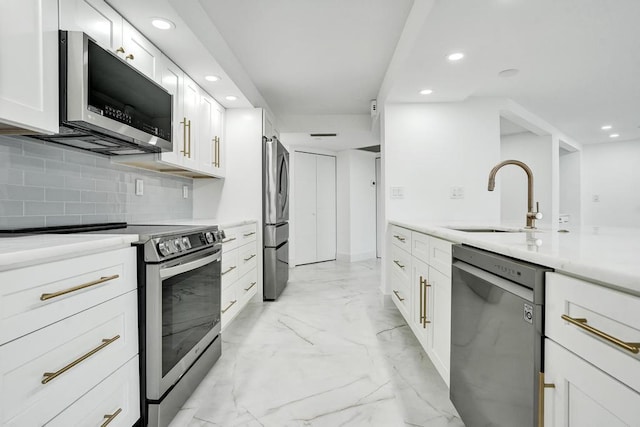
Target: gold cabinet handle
<point x="425" y="284"/>
<point x="228" y="270"/>
<point x="421" y="301"/>
<point x="230" y="239"/>
<point x="213" y="150"/>
<point x="229" y="306"/>
<point x="45" y="297"/>
<point x="218" y="151"/>
<point x="184" y="137"/>
<point x="541" y="386"/>
<point x="398" y="295"/>
<point x="250" y="258"/>
<point x="130" y="56"/>
<point x="189" y="125"/>
<point x="249" y="234"/>
<point x="48" y="376"/>
<point x="110" y="417"/>
<point x="398" y="263"/>
<point x="120" y="50"/>
<point x="402" y="239"/>
<point x="633" y="347"/>
<point x="252" y="285"/>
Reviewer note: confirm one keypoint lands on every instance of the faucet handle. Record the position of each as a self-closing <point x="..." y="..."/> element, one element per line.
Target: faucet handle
<point x="536" y="214"/>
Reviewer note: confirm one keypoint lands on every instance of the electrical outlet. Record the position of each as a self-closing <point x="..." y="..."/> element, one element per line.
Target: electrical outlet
<point x="185" y="192"/>
<point x="596" y="198"/>
<point x="139" y="187"/>
<point x="456" y="192"/>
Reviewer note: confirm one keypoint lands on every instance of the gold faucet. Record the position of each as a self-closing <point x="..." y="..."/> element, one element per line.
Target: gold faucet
<point x="531" y="214"/>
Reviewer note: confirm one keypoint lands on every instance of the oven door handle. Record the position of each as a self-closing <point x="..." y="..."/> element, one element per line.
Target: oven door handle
<point x="183" y="268"/>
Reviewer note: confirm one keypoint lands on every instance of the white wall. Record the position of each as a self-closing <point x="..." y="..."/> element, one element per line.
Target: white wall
<point x="610" y="171"/>
<point x="356" y="205"/>
<point x="428" y="148"/>
<point x="239" y="195"/>
<point x="511" y="181"/>
<point x="570" y="186"/>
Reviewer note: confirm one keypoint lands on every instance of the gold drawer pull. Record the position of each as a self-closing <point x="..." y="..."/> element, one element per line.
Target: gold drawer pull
<point x="249" y="259"/>
<point x="48" y="376"/>
<point x="398" y="263"/>
<point x="130" y="56"/>
<point x="402" y="239"/>
<point x="230" y="239"/>
<point x="582" y="323"/>
<point x="120" y="50"/>
<point x="398" y="295"/>
<point x="541" y="386"/>
<point x="229" y="269"/>
<point x="252" y="285"/>
<point x="229" y="306"/>
<point x="45" y="297"/>
<point x="110" y="417"/>
<point x="249" y="234"/>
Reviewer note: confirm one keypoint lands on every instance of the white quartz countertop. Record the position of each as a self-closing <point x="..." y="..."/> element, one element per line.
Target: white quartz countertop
<point x="222" y="224"/>
<point x="16" y="252"/>
<point x="604" y="254"/>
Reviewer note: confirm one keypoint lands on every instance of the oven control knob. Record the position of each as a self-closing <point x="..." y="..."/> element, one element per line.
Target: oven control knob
<point x="186" y="244"/>
<point x="209" y="237"/>
<point x="164" y="249"/>
<point x="178" y="245"/>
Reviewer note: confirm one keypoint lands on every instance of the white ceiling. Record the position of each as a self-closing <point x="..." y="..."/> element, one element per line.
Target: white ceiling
<point x="578" y="60"/>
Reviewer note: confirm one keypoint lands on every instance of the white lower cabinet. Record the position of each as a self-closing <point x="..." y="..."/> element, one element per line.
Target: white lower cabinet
<point x="421" y="286"/>
<point x="70" y="327"/>
<point x="239" y="269"/>
<point x="583" y="395"/>
<point x="591" y="354"/>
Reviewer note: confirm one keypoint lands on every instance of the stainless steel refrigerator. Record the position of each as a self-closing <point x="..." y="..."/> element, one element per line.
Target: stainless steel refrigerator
<point x="275" y="215"/>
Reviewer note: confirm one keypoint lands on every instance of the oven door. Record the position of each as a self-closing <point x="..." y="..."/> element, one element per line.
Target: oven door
<point x="183" y="316"/>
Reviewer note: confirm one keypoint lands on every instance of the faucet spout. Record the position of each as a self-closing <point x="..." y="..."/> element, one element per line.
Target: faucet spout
<point x="532" y="214"/>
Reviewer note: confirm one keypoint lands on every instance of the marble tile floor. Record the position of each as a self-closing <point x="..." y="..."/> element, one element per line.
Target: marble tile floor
<point x="327" y="353"/>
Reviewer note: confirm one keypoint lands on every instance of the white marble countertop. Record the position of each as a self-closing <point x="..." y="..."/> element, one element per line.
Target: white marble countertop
<point x="17" y="252"/>
<point x="607" y="255"/>
<point x="222" y="224"/>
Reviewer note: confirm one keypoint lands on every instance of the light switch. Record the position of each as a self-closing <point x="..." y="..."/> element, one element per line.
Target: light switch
<point x="397" y="192"/>
<point x="456" y="192"/>
<point x="185" y="192"/>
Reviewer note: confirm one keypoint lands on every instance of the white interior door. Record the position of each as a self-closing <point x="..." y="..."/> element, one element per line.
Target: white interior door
<point x="305" y="208"/>
<point x="325" y="208"/>
<point x="379" y="213"/>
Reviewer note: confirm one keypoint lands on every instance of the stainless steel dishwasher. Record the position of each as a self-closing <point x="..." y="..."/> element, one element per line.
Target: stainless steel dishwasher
<point x="497" y="334"/>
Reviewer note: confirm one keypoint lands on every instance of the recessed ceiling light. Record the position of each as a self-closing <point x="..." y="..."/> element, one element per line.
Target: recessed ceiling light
<point x="457" y="56"/>
<point x="509" y="72"/>
<point x="614" y="135"/>
<point x="606" y="127"/>
<point x="212" y="78"/>
<point x="426" y="92"/>
<point x="162" y="24"/>
<point x="230" y="98"/>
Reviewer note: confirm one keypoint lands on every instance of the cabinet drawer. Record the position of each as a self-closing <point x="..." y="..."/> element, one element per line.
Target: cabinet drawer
<point x="247" y="286"/>
<point x="247" y="234"/>
<point x="80" y="352"/>
<point x="401" y="295"/>
<point x="247" y="258"/>
<point x="612" y="312"/>
<point x="401" y="237"/>
<point x="34" y="297"/>
<point x="440" y="255"/>
<point x="231" y="240"/>
<point x="228" y="302"/>
<point x="401" y="263"/>
<point x="229" y="267"/>
<point x="117" y="398"/>
<point x="420" y="246"/>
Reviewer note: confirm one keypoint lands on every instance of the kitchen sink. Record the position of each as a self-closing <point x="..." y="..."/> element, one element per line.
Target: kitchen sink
<point x="486" y="230"/>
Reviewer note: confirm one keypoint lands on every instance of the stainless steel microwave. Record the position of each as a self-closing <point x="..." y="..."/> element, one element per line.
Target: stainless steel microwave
<point x="106" y="105"/>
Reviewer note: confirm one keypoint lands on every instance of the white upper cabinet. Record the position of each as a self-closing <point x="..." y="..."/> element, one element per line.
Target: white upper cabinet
<point x="28" y="66"/>
<point x="112" y="32"/>
<point x="171" y="77"/>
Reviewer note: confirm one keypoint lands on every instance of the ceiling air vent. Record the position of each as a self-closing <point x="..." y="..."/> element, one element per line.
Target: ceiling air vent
<point x="323" y="135"/>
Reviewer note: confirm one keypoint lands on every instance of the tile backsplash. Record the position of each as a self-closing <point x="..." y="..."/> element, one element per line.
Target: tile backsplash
<point x="43" y="184"/>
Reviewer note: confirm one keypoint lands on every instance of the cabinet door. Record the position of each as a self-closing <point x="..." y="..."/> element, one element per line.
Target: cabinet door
<point x="305" y="204"/>
<point x="172" y="79"/>
<point x="29" y="65"/>
<point x="140" y="52"/>
<point x="439" y="312"/>
<point x="97" y="19"/>
<point x="217" y="126"/>
<point x="207" y="138"/>
<point x="583" y="395"/>
<point x="189" y="123"/>
<point x="325" y="208"/>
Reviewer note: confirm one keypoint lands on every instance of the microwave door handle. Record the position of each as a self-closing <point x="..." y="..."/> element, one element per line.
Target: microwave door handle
<point x="183" y="268"/>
